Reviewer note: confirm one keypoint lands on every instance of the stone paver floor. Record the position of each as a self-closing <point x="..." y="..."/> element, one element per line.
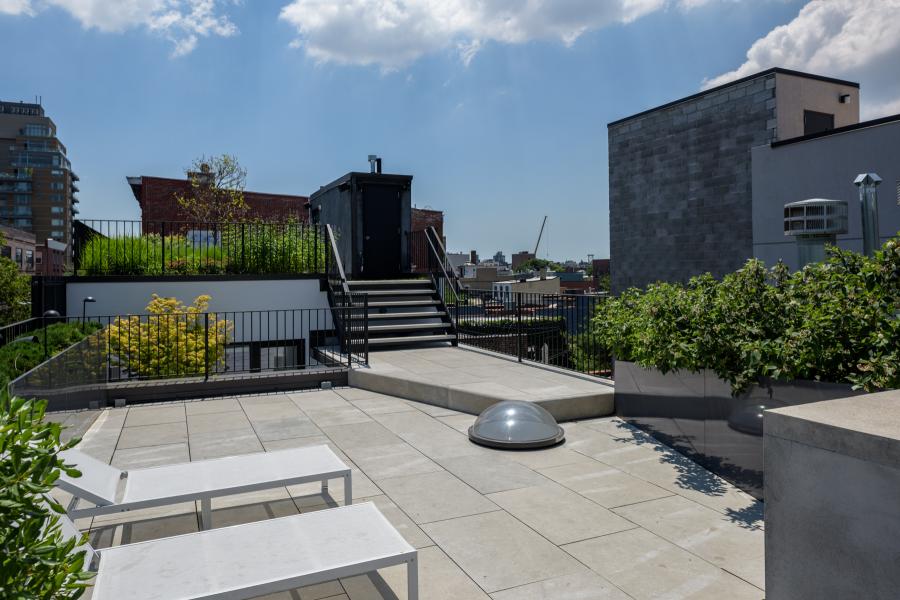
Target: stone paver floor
<point x="610" y="514"/>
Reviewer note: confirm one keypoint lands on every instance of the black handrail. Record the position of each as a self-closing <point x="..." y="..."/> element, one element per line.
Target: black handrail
<point x="441" y="257"/>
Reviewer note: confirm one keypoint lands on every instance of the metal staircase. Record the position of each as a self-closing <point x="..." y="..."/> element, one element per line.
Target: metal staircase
<point x="402" y="312"/>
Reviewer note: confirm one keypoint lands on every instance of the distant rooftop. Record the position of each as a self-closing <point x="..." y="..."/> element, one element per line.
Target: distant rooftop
<point x="21" y="108"/>
<point x="839" y="130"/>
<point x="713" y="90"/>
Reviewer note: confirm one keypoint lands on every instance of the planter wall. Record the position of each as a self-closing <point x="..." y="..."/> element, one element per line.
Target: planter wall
<point x="695" y="414"/>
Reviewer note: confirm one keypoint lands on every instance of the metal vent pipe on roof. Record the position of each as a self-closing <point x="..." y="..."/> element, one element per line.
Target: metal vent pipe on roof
<point x="868" y="202"/>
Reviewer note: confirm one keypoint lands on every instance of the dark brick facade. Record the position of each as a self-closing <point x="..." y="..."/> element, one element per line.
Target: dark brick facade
<point x="156" y="196"/>
<point x="422" y="218"/>
<point x="680" y="184"/>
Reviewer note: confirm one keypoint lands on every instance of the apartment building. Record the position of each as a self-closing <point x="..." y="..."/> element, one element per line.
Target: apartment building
<point x="37" y="184"/>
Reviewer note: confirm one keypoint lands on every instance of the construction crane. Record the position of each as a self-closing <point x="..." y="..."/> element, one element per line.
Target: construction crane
<point x="539" y="236"/>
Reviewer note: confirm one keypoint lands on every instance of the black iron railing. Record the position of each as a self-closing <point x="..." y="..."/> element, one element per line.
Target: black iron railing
<point x="554" y="329"/>
<point x="198" y="344"/>
<point x="21" y="329"/>
<point x="147" y="248"/>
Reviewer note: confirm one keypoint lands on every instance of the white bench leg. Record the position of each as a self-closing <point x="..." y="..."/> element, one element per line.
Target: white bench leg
<point x="348" y="490"/>
<point x="412" y="579"/>
<point x="205" y="513"/>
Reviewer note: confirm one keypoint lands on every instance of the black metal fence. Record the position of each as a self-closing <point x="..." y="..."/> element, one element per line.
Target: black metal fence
<point x="147" y="248"/>
<point x="21" y="329"/>
<point x="554" y="329"/>
<point x="134" y="348"/>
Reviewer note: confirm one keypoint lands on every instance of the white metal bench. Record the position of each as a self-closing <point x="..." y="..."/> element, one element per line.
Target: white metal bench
<point x="254" y="559"/>
<point x="112" y="490"/>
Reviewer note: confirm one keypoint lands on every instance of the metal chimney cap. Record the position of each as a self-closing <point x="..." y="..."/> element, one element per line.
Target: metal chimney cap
<point x="867" y="179"/>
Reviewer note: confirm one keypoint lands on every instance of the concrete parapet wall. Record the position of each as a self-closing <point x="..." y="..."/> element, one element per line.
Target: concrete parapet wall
<point x="832" y="487"/>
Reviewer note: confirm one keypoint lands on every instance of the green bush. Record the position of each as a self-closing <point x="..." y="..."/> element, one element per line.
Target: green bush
<point x="831" y="321"/>
<point x="19" y="357"/>
<point x="257" y="248"/>
<point x="37" y="562"/>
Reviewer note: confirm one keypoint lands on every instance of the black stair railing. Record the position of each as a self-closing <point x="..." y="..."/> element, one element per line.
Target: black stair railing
<point x="344" y="305"/>
<point x="444" y="276"/>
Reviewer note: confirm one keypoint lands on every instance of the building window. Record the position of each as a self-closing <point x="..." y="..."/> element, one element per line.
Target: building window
<point x="57" y="172"/>
<point x="6" y="252"/>
<point x="56" y="223"/>
<point x="37" y="131"/>
<point x="22" y="200"/>
<point x="19" y="257"/>
<point x="56" y="185"/>
<point x="29" y="260"/>
<point x="22" y="211"/>
<point x="56" y="210"/>
<point x="22" y="223"/>
<point x="56" y="198"/>
<point x="57" y="235"/>
<point x="816" y="122"/>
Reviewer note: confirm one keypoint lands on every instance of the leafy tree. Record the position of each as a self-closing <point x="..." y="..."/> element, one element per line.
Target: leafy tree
<point x="536" y="264"/>
<point x="37" y="560"/>
<point x="174" y="340"/>
<point x="217" y="190"/>
<point x="15" y="291"/>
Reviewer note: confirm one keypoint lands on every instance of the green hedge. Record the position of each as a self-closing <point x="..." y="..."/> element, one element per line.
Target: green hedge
<point x="831" y="321"/>
<point x="257" y="248"/>
<point x="17" y="358"/>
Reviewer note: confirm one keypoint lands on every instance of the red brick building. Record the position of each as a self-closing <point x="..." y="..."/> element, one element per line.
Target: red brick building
<point x="422" y="218"/>
<point x="156" y="196"/>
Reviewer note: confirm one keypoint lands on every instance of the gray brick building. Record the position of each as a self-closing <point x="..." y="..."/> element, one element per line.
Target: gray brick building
<point x="680" y="177"/>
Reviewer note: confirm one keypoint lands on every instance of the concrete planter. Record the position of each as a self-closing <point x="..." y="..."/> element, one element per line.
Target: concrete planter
<point x="696" y="414"/>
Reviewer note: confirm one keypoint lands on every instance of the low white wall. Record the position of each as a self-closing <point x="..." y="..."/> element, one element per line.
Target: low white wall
<point x="131" y="297"/>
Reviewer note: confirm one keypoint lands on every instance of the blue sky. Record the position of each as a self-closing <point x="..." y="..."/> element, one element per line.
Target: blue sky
<point x="500" y="121"/>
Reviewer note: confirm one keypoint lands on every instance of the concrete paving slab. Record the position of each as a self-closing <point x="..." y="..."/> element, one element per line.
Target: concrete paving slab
<point x="603" y="484"/>
<point x="224" y="421"/>
<point x="392" y="460"/>
<point x="470" y="381"/>
<point x="401" y="521"/>
<point x="428" y="435"/>
<point x="215" y="444"/>
<point x="284" y="428"/>
<point x="499" y="552"/>
<point x="489" y="473"/>
<point x="435" y="497"/>
<point x="559" y="514"/>
<point x="586" y="585"/>
<point x="153" y="435"/>
<point x="154" y="415"/>
<point x="646" y="566"/>
<point x="202" y="407"/>
<point x="707" y="533"/>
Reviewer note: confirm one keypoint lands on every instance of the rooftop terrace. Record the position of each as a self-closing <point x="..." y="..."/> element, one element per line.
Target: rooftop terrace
<point x="610" y="514"/>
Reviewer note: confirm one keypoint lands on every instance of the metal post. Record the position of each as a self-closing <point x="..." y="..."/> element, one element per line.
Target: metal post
<point x="455" y="319"/>
<point x="366" y="325"/>
<point x="162" y="237"/>
<point x="205" y="346"/>
<point x="519" y="325"/>
<point x="868" y="201"/>
<point x="315" y="248"/>
<point x="243" y="266"/>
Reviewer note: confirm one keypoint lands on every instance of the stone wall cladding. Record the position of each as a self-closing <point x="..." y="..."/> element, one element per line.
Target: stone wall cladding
<point x="680" y="185"/>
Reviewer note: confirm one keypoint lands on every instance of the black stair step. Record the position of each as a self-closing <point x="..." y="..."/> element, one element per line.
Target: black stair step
<point x="395" y="292"/>
<point x="401" y="315"/>
<point x="410" y="339"/>
<point x="400" y="303"/>
<point x="390" y="282"/>
<point x="409" y="327"/>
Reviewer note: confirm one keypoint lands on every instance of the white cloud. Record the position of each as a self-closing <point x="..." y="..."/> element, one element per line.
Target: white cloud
<point x="850" y="39"/>
<point x="182" y="22"/>
<point x="394" y="33"/>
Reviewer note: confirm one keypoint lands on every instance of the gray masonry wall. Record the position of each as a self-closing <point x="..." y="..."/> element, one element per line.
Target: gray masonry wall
<point x="832" y="483"/>
<point x="823" y="168"/>
<point x="680" y="185"/>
